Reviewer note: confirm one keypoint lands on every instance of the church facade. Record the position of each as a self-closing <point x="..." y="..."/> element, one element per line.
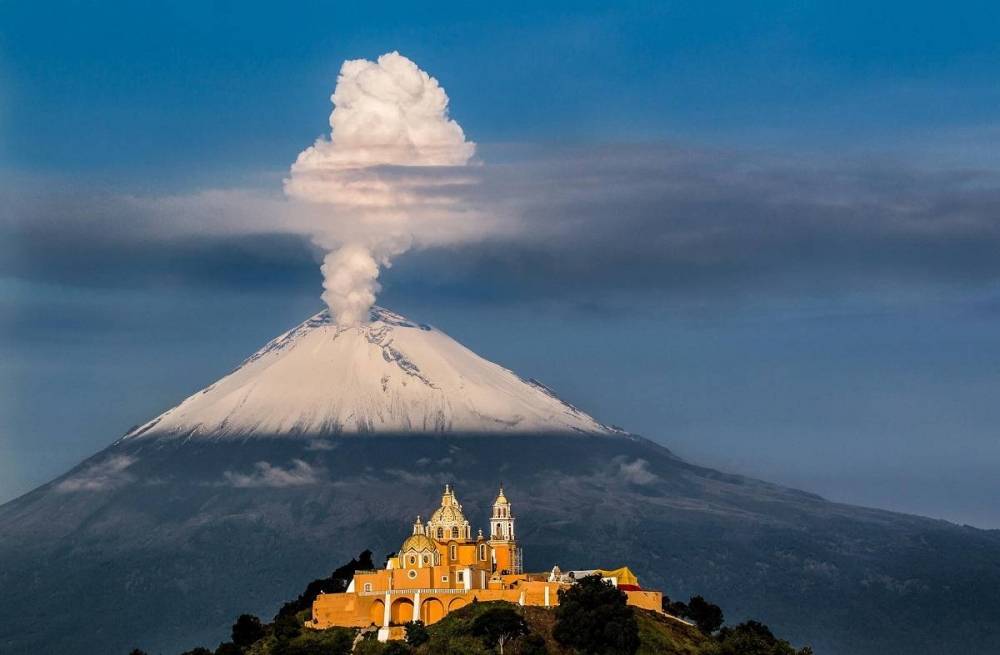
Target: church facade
<point x="441" y="567"/>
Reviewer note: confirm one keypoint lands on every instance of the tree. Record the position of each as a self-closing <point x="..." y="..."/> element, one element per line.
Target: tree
<point x="753" y="638"/>
<point x="137" y="651"/>
<point x="228" y="648"/>
<point x="499" y="626"/>
<point x="594" y="618"/>
<point x="674" y="607"/>
<point x="247" y="630"/>
<point x="200" y="650"/>
<point x="706" y="616"/>
<point x="416" y="633"/>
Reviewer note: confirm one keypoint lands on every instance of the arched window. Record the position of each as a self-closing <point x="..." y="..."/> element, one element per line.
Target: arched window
<point x="427" y="559"/>
<point x="482" y="552"/>
<point x="440" y="533"/>
<point x="413" y="559"/>
<point x="454" y="551"/>
<point x="454" y="533"/>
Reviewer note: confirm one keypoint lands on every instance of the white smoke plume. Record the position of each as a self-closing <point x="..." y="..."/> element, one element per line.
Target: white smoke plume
<point x="350" y="283"/>
<point x="389" y="125"/>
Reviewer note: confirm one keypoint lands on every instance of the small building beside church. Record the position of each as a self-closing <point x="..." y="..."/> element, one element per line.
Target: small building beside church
<point x="441" y="567"/>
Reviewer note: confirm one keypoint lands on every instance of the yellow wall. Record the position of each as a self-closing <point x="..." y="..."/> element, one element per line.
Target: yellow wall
<point x="505" y="557"/>
<point x="346" y="610"/>
<point x="647" y="600"/>
<point x="466" y="554"/>
<point x="359" y="610"/>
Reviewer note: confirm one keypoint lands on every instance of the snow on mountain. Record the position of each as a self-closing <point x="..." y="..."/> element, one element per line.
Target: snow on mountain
<point x="389" y="376"/>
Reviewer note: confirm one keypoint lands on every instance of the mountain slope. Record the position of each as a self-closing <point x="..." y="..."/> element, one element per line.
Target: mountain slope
<point x="163" y="537"/>
<point x="391" y="375"/>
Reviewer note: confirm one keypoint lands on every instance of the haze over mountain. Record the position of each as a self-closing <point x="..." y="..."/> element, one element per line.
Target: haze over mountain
<point x="330" y="440"/>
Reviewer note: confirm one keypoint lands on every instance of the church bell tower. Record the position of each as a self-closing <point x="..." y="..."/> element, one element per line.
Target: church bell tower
<point x="506" y="554"/>
<point x="502" y="521"/>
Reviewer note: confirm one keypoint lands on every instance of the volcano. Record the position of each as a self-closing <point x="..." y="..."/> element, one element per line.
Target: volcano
<point x="329" y="440"/>
<point x="387" y="376"/>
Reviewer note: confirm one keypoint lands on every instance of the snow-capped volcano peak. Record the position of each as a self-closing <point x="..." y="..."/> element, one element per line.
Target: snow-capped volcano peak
<point x="388" y="376"/>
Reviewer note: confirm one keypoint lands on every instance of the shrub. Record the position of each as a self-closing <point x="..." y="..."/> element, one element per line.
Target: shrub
<point x="247" y="630"/>
<point x="455" y="645"/>
<point x="753" y="638"/>
<point x="286" y="627"/>
<point x="416" y="633"/>
<point x="532" y="644"/>
<point x="335" y="641"/>
<point x="396" y="648"/>
<point x="594" y="618"/>
<point x="369" y="647"/>
<point x="372" y="647"/>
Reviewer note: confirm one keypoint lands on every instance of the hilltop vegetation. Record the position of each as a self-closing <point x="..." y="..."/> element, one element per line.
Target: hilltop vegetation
<point x="591" y="619"/>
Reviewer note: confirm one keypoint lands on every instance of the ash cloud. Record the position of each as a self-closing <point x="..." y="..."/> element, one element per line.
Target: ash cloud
<point x="387" y="113"/>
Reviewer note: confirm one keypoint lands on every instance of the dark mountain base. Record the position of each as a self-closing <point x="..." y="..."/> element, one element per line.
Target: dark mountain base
<point x="162" y="543"/>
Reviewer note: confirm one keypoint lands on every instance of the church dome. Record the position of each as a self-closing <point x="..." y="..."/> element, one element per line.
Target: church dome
<point x="501" y="498"/>
<point x="449" y="514"/>
<point x="448" y="521"/>
<point x="417" y="542"/>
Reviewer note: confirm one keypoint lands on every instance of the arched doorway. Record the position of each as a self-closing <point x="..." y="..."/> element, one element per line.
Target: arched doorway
<point x="402" y="611"/>
<point x="456" y="603"/>
<point x="431" y="611"/>
<point x="377" y="612"/>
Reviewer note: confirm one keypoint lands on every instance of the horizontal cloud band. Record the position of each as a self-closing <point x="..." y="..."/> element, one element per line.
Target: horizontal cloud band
<point x="573" y="222"/>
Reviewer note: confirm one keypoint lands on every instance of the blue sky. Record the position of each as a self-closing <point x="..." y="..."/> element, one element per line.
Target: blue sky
<point x="806" y="337"/>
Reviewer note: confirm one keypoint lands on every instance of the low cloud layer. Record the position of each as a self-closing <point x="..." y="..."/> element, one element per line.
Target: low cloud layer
<point x="636" y="472"/>
<point x="265" y="474"/>
<point x="106" y="474"/>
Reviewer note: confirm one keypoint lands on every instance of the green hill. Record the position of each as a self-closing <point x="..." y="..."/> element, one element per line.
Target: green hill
<point x="593" y="618"/>
<point x="658" y="634"/>
<point x="454" y="635"/>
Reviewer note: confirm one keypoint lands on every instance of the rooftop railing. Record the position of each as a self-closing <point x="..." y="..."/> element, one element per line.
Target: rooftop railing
<point x="428" y="590"/>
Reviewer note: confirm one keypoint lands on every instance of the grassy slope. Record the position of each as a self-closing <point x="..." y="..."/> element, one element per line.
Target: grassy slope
<point x="658" y="634"/>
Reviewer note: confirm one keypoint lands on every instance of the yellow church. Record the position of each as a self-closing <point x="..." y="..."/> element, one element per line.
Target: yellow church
<point x="441" y="567"/>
